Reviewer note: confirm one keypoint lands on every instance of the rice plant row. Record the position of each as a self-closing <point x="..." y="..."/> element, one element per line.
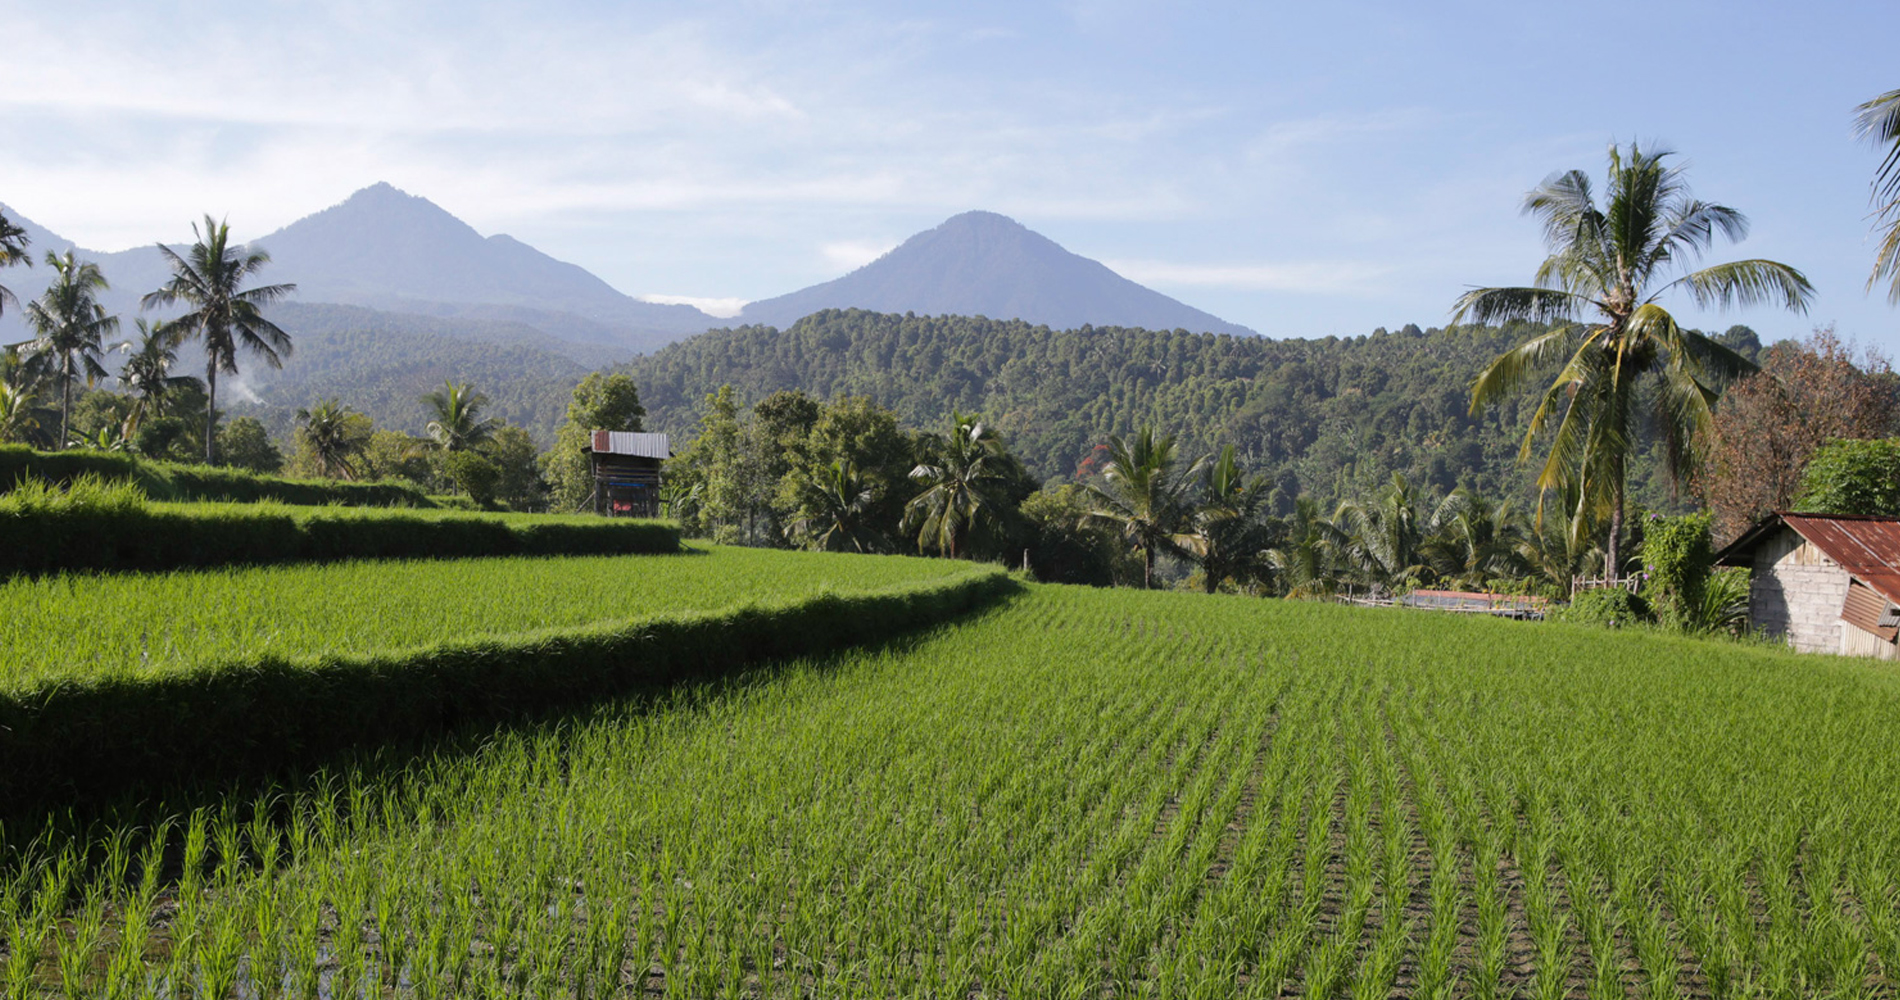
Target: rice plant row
<point x="1082" y="794"/>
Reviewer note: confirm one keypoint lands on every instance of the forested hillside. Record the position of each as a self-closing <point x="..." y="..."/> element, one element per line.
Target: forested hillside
<point x="382" y="363"/>
<point x="1334" y="416"/>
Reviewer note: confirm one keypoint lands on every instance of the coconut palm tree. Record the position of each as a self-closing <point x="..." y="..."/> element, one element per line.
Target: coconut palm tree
<point x="1599" y="292"/>
<point x="1382" y="539"/>
<point x="458" y="424"/>
<point x="69" y="327"/>
<point x="837" y="514"/>
<point x="326" y="431"/>
<point x="1229" y="539"/>
<point x="147" y="376"/>
<point x="1474" y="542"/>
<point x="1305" y="564"/>
<point x="961" y="484"/>
<point x="209" y="280"/>
<point x="18" y="415"/>
<point x="1879" y="120"/>
<point x="1146" y="496"/>
<point x="13" y="241"/>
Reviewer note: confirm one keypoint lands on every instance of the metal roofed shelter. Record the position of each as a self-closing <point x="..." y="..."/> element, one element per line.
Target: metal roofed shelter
<point x="626" y="467"/>
<point x="1829" y="582"/>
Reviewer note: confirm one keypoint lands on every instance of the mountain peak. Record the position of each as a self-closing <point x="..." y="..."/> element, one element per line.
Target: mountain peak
<point x="981" y="263"/>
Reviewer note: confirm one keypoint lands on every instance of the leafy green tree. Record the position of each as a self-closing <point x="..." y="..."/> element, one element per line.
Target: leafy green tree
<point x="245" y="444"/>
<point x="600" y="402"/>
<point x="388" y="454"/>
<point x="853" y="431"/>
<point x="209" y="280"/>
<point x="1879" y="120"/>
<point x="1600" y="288"/>
<point x="69" y="326"/>
<point x="518" y="468"/>
<point x="1147" y="496"/>
<point x="1852" y="477"/>
<point x="836" y="516"/>
<point x="330" y="435"/>
<point x="147" y="373"/>
<point x="1230" y="537"/>
<point x="13" y="242"/>
<point x="473" y="474"/>
<point x="1068" y="545"/>
<point x="963" y="482"/>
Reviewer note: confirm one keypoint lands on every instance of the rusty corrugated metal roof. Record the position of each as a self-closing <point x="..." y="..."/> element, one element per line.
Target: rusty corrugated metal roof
<point x="1868" y="548"/>
<point x="632" y="443"/>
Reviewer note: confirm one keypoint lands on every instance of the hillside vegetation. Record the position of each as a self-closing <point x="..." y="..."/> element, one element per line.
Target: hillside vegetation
<point x="1336" y="416"/>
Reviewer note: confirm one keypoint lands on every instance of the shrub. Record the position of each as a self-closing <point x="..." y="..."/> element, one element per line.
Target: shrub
<point x="1678" y="553"/>
<point x="1612" y="607"/>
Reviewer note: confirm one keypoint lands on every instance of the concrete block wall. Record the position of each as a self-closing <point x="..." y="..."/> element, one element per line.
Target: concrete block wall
<point x="1798" y="592"/>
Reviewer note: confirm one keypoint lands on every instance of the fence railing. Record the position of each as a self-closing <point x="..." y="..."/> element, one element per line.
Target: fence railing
<point x="1579" y="584"/>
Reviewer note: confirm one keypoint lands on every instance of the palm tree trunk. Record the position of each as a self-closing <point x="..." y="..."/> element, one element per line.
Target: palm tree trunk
<point x="1148" y="566"/>
<point x="1612" y="570"/>
<point x="65" y="407"/>
<point x="211" y="409"/>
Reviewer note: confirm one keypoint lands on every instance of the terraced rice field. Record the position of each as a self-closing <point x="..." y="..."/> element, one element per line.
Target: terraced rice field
<point x="91" y="626"/>
<point x="1081" y="794"/>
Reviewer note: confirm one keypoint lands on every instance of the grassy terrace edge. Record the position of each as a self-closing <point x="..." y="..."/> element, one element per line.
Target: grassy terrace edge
<point x="176" y="536"/>
<point x="198" y="483"/>
<point x="74" y="743"/>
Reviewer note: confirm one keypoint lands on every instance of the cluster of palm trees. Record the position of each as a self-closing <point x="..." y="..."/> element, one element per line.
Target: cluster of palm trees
<point x="70" y="329"/>
<point x="1207" y="512"/>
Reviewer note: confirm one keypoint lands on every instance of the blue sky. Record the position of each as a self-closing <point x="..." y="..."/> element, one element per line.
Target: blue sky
<point x="1304" y="169"/>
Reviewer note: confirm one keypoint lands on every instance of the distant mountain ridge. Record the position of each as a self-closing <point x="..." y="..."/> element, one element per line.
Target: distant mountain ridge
<point x="385" y="249"/>
<point x="985" y="264"/>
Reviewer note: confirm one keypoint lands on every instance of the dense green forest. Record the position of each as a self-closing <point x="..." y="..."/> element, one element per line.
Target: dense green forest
<point x="1331" y="417"/>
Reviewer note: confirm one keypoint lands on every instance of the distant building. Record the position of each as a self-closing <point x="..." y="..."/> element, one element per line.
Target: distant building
<point x="1830" y="583"/>
<point x="626" y="467"/>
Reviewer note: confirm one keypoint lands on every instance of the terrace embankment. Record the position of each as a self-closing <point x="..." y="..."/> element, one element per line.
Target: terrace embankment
<point x="94" y="733"/>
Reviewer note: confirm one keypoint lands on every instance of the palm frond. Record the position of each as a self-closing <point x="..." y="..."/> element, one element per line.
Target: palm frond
<point x="1509" y="370"/>
<point x="1744" y="283"/>
<point x="1498" y="306"/>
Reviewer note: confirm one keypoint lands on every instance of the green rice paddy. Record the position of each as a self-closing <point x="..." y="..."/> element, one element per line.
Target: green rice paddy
<point x="1079" y="794"/>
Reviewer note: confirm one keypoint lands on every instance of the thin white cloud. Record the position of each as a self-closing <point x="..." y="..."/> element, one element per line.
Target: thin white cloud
<point x="853" y="254"/>
<point x="1315" y="277"/>
<point x="723" y="308"/>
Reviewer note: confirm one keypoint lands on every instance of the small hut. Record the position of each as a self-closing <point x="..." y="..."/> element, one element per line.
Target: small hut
<point x="626" y="466"/>
<point x="1830" y="583"/>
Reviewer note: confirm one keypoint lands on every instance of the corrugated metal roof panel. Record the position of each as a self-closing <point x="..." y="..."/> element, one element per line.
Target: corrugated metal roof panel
<point x="1868" y="548"/>
<point x="1867" y="611"/>
<point x="632" y="443"/>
